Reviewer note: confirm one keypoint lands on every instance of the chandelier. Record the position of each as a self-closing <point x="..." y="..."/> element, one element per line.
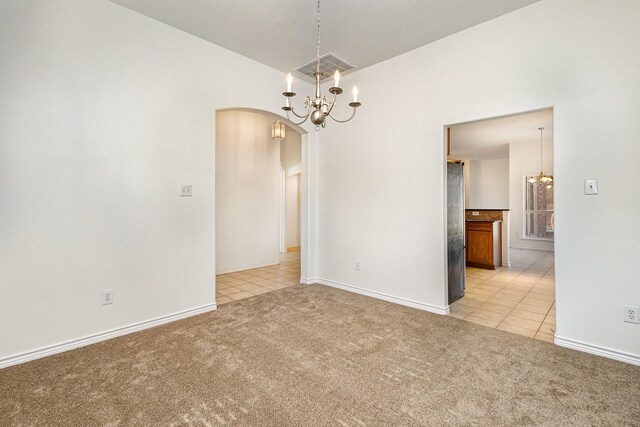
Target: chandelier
<point x="542" y="176"/>
<point x="317" y="107"/>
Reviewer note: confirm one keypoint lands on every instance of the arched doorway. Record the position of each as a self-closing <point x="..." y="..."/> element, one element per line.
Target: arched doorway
<point x="256" y="250"/>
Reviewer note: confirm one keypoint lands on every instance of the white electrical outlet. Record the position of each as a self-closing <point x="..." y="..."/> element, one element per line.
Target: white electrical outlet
<point x="631" y="314"/>
<point x="186" y="190"/>
<point x="357" y="266"/>
<point x="107" y="296"/>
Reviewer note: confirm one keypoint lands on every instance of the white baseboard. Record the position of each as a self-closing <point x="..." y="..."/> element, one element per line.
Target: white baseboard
<point x="597" y="350"/>
<point x="531" y="249"/>
<point x="102" y="336"/>
<point x="308" y="281"/>
<point x="385" y="297"/>
<point x="247" y="267"/>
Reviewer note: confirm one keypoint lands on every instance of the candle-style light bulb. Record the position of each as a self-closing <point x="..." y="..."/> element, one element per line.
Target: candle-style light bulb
<point x="336" y="76"/>
<point x="289" y="80"/>
<point x="355" y="94"/>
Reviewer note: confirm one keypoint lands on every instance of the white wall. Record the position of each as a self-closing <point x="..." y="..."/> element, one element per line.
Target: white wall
<point x="524" y="160"/>
<point x="293" y="210"/>
<point x="103" y="114"/>
<point x="292" y="149"/>
<point x="247" y="192"/>
<point x="488" y="184"/>
<point x="383" y="173"/>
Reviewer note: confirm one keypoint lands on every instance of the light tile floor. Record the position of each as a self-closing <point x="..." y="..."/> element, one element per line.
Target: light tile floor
<point x="519" y="299"/>
<point x="248" y="283"/>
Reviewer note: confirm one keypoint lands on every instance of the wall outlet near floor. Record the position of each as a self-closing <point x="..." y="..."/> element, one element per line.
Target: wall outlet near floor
<point x="631" y="314"/>
<point x="357" y="266"/>
<point x="107" y="297"/>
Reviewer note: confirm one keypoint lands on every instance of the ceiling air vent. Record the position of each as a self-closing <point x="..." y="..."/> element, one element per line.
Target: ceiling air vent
<point x="329" y="63"/>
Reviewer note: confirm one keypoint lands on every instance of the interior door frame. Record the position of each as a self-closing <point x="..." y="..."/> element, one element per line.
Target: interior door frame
<point x="446" y="133"/>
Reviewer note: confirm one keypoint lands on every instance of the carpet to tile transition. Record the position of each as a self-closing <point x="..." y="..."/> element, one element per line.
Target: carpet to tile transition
<point x="313" y="355"/>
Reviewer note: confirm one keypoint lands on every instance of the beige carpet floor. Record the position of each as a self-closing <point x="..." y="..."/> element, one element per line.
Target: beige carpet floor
<point x="313" y="355"/>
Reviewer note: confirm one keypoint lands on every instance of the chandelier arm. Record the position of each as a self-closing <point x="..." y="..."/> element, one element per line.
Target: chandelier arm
<point x="344" y="121"/>
<point x="299" y="123"/>
<point x="298" y="115"/>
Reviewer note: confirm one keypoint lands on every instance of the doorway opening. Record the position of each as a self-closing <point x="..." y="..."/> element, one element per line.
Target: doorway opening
<point x="500" y="223"/>
<point x="258" y="205"/>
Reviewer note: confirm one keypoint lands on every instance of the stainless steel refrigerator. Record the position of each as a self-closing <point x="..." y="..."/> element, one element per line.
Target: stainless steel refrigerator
<point x="455" y="230"/>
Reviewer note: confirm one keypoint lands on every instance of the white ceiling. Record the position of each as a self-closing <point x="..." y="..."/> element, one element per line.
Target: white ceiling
<point x="490" y="139"/>
<point x="281" y="33"/>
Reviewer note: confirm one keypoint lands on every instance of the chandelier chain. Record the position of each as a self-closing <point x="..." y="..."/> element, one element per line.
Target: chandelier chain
<point x="318" y="43"/>
<point x="541" y="167"/>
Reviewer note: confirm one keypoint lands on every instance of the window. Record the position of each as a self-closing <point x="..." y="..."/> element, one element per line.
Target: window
<point x="538" y="210"/>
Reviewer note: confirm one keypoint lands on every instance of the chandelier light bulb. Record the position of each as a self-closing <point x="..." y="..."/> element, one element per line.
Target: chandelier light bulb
<point x="289" y="80"/>
<point x="355" y="94"/>
<point x="336" y="76"/>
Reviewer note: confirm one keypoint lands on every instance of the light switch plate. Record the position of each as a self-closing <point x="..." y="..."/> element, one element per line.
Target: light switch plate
<point x="186" y="190"/>
<point x="590" y="187"/>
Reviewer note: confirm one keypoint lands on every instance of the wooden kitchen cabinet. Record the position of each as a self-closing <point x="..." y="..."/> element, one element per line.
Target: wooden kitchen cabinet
<point x="484" y="244"/>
